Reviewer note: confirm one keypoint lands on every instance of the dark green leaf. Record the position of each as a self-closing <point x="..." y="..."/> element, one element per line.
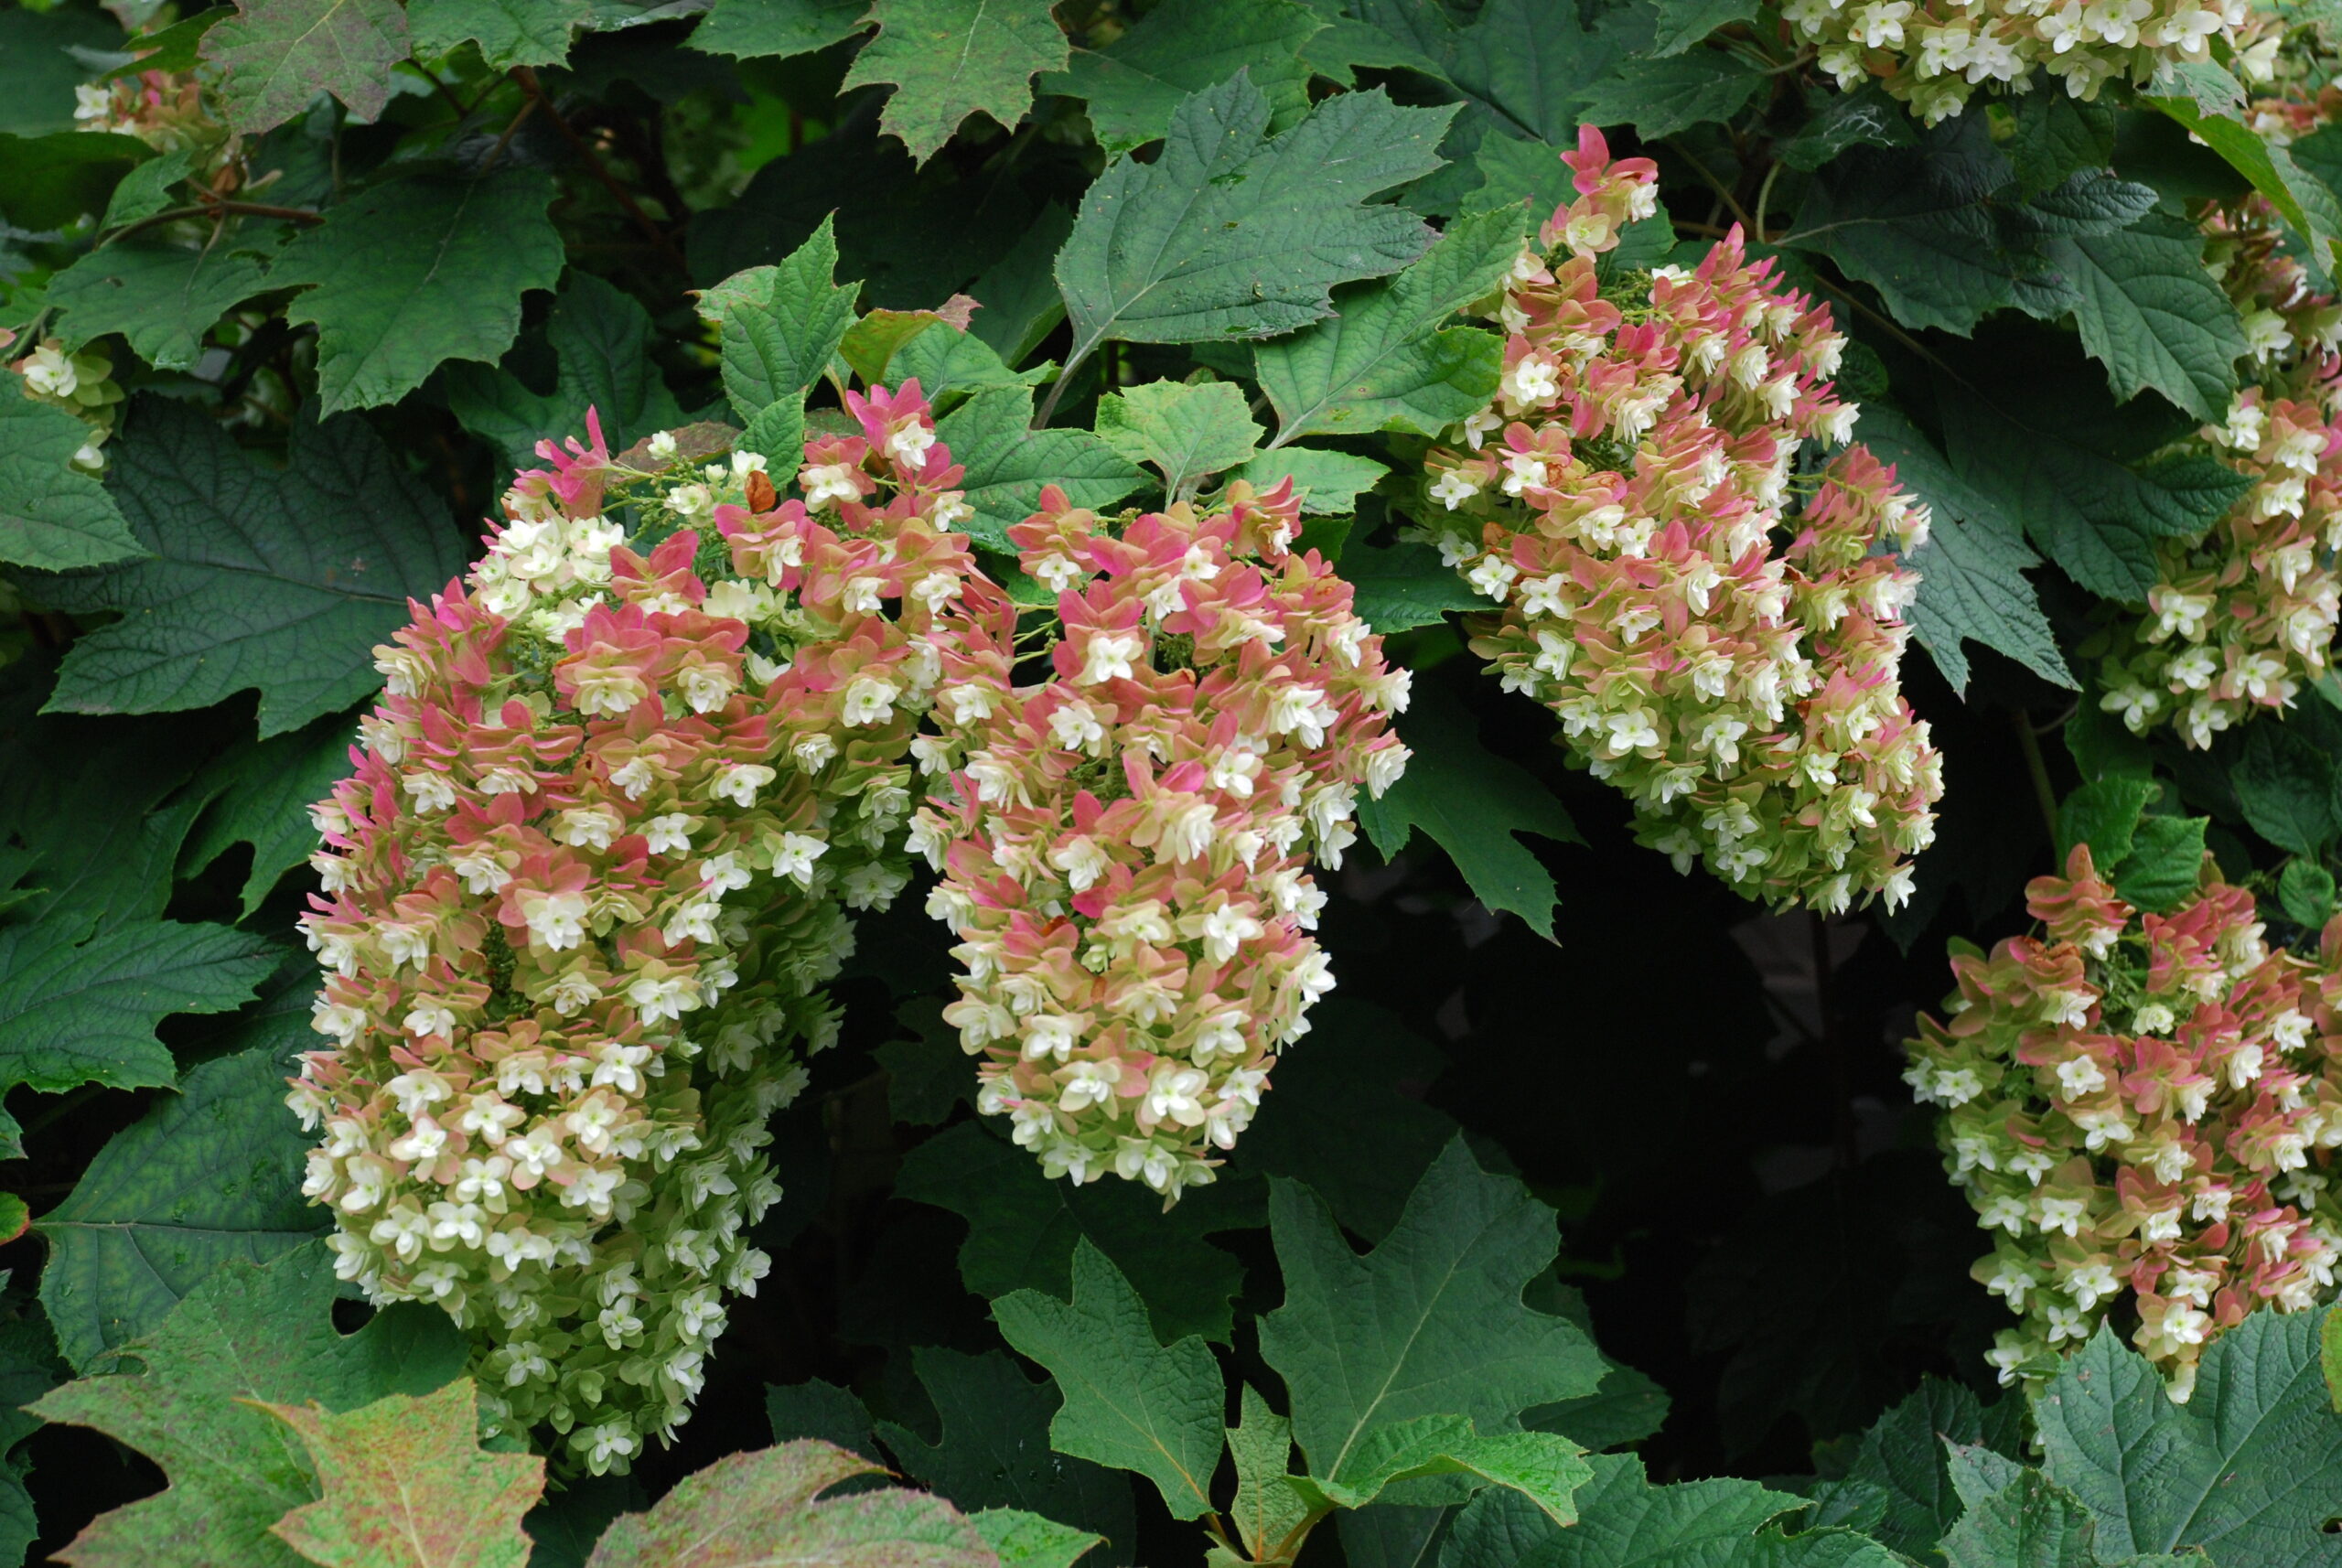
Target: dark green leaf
<point x="146" y="189"/>
<point x="952" y="58"/>
<point x="52" y="515"/>
<point x="750" y="28"/>
<point x="2313" y="209"/>
<point x="601" y="339"/>
<point x="1661" y="97"/>
<point x="2034" y="1524"/>
<point x="1864" y="117"/>
<point x="417" y="271"/>
<point x="2307" y="893"/>
<point x="1623" y="1519"/>
<point x="277" y="55"/>
<point x="1129" y="1402"/>
<point x="1023" y="1540"/>
<point x="242" y="1333"/>
<point x="162" y="297"/>
<point x="2104" y="814"/>
<point x="1231" y="233"/>
<point x="1019" y="291"/>
<point x="1023" y="1229"/>
<point x="1523" y="68"/>
<point x="1008" y="462"/>
<point x="283" y="581"/>
<point x="210" y="1173"/>
<point x="1133" y="85"/>
<point x="2248" y="1471"/>
<point x="2153" y="316"/>
<point x="995" y="1449"/>
<point x="46" y="182"/>
<point x="2288" y="785"/>
<point x="1474" y="805"/>
<point x="2058" y="135"/>
<point x="1682" y="23"/>
<point x="950" y="365"/>
<point x="2097" y="516"/>
<point x="73" y="1015"/>
<point x="1405" y="586"/>
<point x="2165" y="862"/>
<point x="38" y="73"/>
<point x="261" y="795"/>
<point x="1428" y="1326"/>
<point x="821" y="1410"/>
<point x="509" y="32"/>
<point x="1266" y="1509"/>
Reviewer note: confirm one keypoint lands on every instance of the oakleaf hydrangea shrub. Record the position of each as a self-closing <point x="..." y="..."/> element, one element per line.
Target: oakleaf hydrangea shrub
<point x="2241" y="618"/>
<point x="2143" y="1108"/>
<point x="608" y="830"/>
<point x="1933" y="55"/>
<point x="1134" y="777"/>
<point x="1711" y="624"/>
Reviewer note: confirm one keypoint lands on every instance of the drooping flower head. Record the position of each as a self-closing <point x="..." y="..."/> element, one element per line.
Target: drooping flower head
<point x="1711" y="622"/>
<point x="607" y="827"/>
<point x="1125" y="827"/>
<point x="2144" y="1109"/>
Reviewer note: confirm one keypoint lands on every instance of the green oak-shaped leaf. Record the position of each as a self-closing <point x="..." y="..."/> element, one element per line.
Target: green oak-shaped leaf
<point x="780" y="324"/>
<point x="2248" y="1471"/>
<point x="29" y="1368"/>
<point x="2165" y="863"/>
<point x="1184" y="431"/>
<point x="277" y="55"/>
<point x="749" y="30"/>
<point x="1682" y="23"/>
<point x="1130" y="1402"/>
<point x="260" y="795"/>
<point x="146" y="189"/>
<point x="244" y="1334"/>
<point x="208" y="1176"/>
<point x="415" y="272"/>
<point x="71" y="1014"/>
<point x="1230" y="233"/>
<point x="601" y="339"/>
<point x="2153" y="316"/>
<point x="1661" y="97"/>
<point x="1542" y="1466"/>
<point x="1429" y="1325"/>
<point x="995" y="1448"/>
<point x="406" y="1484"/>
<point x="1023" y="1228"/>
<point x="2096" y="516"/>
<point x="162" y="297"/>
<point x="1328" y="483"/>
<point x="1387" y="360"/>
<point x="1623" y="1519"/>
<point x="1971" y="569"/>
<point x="1027" y="1540"/>
<point x="278" y="579"/>
<point x="509" y="32"/>
<point x="2288" y="787"/>
<point x="760" y="1508"/>
<point x="952" y="58"/>
<point x="1267" y="1508"/>
<point x="2032" y="1522"/>
<point x="1008" y="462"/>
<point x="52" y="515"/>
<point x="1474" y="805"/>
<point x="46" y="182"/>
<point x="1133" y="85"/>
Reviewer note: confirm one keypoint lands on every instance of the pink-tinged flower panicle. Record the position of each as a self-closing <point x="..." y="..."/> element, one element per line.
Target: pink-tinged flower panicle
<point x="1124" y="835"/>
<point x="2142" y="1107"/>
<point x="595" y="862"/>
<point x="2241" y="618"/>
<point x="1716" y="631"/>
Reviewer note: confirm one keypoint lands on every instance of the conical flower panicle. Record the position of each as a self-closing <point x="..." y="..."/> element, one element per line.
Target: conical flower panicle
<point x="2143" y="1108"/>
<point x="1124" y="828"/>
<point x="2242" y="618"/>
<point x="601" y="853"/>
<point x="1716" y="631"/>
